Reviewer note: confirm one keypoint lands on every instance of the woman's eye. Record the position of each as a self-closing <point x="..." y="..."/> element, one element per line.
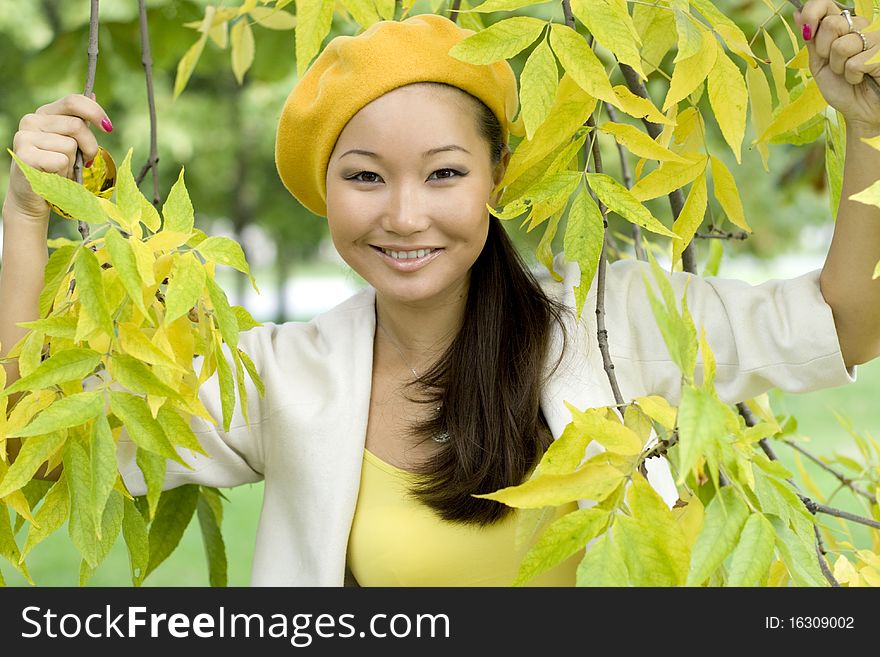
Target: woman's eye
<point x="448" y="173"/>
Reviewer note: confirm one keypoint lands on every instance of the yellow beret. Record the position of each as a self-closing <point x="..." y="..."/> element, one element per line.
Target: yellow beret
<point x="352" y="71"/>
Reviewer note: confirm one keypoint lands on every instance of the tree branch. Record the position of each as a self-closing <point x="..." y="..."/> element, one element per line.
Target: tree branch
<point x="628" y="182"/>
<point x="82" y="226"/>
<point x="152" y="162"/>
<point x="846" y="481"/>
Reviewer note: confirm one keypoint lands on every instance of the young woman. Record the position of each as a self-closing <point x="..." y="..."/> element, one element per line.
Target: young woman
<point x="448" y="375"/>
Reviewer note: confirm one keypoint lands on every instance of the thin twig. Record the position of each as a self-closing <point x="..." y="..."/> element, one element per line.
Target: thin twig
<point x="721" y="235"/>
<point x="82" y="226"/>
<point x="815" y="507"/>
<point x="846" y="481"/>
<point x="628" y="183"/>
<point x="751" y="421"/>
<point x="152" y="162"/>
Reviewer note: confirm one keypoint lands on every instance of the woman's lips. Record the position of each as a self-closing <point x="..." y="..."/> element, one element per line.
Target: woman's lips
<point x="407" y="264"/>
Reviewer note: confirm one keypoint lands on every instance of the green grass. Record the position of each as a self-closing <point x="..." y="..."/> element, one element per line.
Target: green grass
<point x="55" y="562"/>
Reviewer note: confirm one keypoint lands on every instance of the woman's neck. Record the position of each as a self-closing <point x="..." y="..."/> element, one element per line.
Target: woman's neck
<point x="421" y="332"/>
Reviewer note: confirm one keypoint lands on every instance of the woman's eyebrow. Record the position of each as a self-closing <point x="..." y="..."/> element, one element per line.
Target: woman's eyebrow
<point x="425" y="155"/>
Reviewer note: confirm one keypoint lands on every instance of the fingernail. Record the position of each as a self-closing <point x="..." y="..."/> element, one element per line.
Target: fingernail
<point x="808" y="31"/>
<point x="89" y="163"/>
<point x="105" y="123"/>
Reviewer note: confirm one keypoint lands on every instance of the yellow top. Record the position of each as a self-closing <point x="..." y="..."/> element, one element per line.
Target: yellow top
<point x="398" y="541"/>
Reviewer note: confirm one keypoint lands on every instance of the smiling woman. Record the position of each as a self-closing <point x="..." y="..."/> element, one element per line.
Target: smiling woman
<point x="385" y="421"/>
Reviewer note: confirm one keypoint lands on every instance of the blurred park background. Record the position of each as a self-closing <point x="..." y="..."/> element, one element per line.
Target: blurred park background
<point x="223" y="134"/>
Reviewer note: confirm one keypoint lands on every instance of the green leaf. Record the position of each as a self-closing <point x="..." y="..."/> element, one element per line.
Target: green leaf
<point x="8" y="547"/>
<point x="690" y="217"/>
<point x="90" y="288"/>
<point x="560" y="540"/>
<point x="538" y="83"/>
<point x="178" y="210"/>
<point x="603" y="564"/>
<point x="142" y="428"/>
<point x="754" y="552"/>
<point x="581" y="63"/>
<point x="619" y="199"/>
<point x="176" y="508"/>
<point x="252" y="372"/>
<point x="134" y="531"/>
<point x="81" y="527"/>
<point x="186" y="282"/>
<point x="610" y="23"/>
<point x="653" y="544"/>
<point x="584" y="237"/>
<point x="212" y="539"/>
<point x="722" y="524"/>
<point x="51" y="515"/>
<point x="60" y="262"/>
<point x="227" y="386"/>
<point x="244" y="319"/>
<point x="153" y="467"/>
<point x="702" y="424"/>
<point x="69" y="196"/>
<point x="500" y="41"/>
<point x="242" y="39"/>
<point x="128" y="197"/>
<point x="225" y="251"/>
<point x="34" y="452"/>
<point x="226" y="319"/>
<point x="60" y="367"/>
<point x="800" y="556"/>
<point x="613" y="436"/>
<point x="178" y="429"/>
<point x="111" y="524"/>
<point x="123" y="260"/>
<point x="103" y="464"/>
<point x="64" y="413"/>
<point x="137" y="377"/>
<point x="56" y="326"/>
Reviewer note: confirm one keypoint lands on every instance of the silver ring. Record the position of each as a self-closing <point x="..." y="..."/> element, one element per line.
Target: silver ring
<point x="864" y="40"/>
<point x="848" y="16"/>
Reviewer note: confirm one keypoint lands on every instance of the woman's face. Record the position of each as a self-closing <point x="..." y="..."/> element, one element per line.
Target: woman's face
<point x="411" y="221"/>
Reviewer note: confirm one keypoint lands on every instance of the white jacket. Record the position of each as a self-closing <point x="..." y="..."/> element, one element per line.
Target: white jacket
<point x="306" y="436"/>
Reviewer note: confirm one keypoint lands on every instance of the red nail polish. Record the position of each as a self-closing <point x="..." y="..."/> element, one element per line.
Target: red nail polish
<point x="89" y="163"/>
<point x="105" y="123"/>
<point x="807" y="31"/>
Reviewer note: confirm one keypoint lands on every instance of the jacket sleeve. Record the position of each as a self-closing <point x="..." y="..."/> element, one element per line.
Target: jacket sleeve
<point x="779" y="334"/>
<point x="234" y="456"/>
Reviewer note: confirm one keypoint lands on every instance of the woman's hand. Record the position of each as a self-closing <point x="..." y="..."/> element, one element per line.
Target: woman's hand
<point x="48" y="140"/>
<point x="839" y="62"/>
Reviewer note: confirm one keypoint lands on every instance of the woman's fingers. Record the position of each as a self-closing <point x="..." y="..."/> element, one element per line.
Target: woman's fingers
<point x="48" y="152"/>
<point x="82" y="106"/>
<point x="70" y="126"/>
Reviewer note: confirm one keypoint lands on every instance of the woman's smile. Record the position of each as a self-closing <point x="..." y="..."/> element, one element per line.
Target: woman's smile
<point x="407" y="260"/>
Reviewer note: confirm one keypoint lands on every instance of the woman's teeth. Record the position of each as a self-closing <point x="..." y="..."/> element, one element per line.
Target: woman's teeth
<point x="404" y="255"/>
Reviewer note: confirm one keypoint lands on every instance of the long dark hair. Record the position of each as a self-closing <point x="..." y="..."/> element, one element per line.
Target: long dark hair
<point x="488" y="382"/>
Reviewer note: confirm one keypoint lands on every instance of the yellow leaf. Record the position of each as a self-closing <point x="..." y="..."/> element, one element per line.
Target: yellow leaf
<point x="639" y="143"/>
<point x="669" y="176"/>
<point x="619" y="199"/>
<point x="869" y="195"/>
<point x="690" y="217"/>
<point x="188" y="62"/>
<point x="580" y="62"/>
<point x="689" y="73"/>
<point x="613" y="436"/>
<point x="761" y="108"/>
<point x="572" y="108"/>
<point x="242" y="49"/>
<point x="801" y="60"/>
<point x="502" y="40"/>
<point x="656" y="27"/>
<point x="610" y="23"/>
<point x="274" y="19"/>
<point x="636" y="106"/>
<point x="584" y="236"/>
<point x="777" y="69"/>
<point x="728" y="97"/>
<point x="313" y="22"/>
<point x="727" y="194"/>
<point x="799" y="111"/>
<point x="538" y="84"/>
<point x="690" y="38"/>
<point x="592" y="481"/>
<point x="658" y="409"/>
<point x="689" y="516"/>
<point x="689" y="134"/>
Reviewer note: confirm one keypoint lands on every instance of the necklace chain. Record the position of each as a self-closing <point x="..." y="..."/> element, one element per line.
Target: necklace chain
<point x="441" y="436"/>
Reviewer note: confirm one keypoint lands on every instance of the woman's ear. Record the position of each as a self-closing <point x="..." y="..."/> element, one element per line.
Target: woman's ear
<point x="498" y="174"/>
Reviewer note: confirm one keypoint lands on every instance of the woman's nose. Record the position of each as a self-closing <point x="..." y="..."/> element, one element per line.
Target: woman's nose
<point x="406" y="213"/>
